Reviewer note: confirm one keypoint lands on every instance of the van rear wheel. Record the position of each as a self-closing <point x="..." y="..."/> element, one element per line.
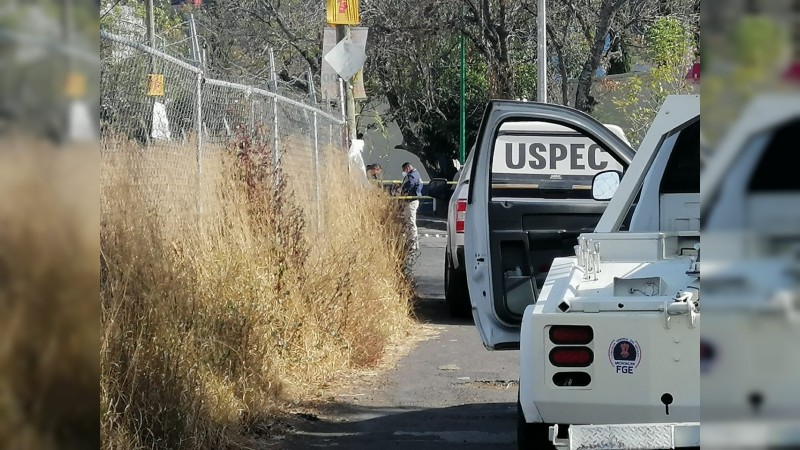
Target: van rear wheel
<point x="532" y="436"/>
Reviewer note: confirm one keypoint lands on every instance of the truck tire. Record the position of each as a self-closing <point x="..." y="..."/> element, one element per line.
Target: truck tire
<point x="532" y="436"/>
<point x="455" y="291"/>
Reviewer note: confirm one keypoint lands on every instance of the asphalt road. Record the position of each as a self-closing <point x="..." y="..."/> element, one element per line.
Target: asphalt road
<point x="448" y="392"/>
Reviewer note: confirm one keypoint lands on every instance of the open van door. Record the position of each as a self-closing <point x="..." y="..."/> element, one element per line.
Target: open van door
<point x="529" y="198"/>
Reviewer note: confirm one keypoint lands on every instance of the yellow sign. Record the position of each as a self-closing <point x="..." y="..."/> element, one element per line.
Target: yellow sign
<point x="155" y="85"/>
<point x="75" y="85"/>
<point x="343" y="12"/>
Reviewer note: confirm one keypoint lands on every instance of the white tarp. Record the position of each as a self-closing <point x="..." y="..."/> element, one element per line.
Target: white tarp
<point x="160" y="122"/>
<point x="82" y="126"/>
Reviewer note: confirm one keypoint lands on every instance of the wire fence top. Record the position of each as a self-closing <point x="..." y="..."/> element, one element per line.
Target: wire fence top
<point x="210" y="81"/>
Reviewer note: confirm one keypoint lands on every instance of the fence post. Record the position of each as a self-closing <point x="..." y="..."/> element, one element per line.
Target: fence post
<point x="317" y="178"/>
<point x="199" y="138"/>
<point x="274" y="83"/>
<point x="343" y="136"/>
<point x="251" y="100"/>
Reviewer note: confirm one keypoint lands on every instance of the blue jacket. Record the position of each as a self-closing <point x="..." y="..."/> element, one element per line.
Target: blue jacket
<point x="412" y="185"/>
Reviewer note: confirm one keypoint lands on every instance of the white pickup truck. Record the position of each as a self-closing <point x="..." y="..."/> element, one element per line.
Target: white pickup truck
<point x="609" y="342"/>
<point x="540" y="160"/>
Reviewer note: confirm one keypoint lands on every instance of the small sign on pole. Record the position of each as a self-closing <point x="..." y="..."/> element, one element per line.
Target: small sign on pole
<point x="346" y="58"/>
<point x="75" y="85"/>
<point x="343" y="12"/>
<point x="155" y="85"/>
<point x="330" y="79"/>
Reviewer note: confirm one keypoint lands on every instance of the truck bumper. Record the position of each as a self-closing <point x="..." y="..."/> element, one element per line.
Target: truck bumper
<point x="628" y="436"/>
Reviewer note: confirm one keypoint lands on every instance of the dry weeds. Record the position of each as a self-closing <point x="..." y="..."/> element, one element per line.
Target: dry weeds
<point x="48" y="289"/>
<point x="211" y="322"/>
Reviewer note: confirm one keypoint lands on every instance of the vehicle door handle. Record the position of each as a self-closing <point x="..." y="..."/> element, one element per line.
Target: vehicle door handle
<point x="481" y="259"/>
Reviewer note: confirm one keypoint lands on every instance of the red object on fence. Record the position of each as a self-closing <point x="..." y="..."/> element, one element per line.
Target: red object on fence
<point x="693" y="76"/>
<point x="793" y="72"/>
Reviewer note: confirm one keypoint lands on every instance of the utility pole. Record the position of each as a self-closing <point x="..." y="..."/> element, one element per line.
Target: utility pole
<point x="66" y="12"/>
<point x="462" y="137"/>
<point x="343" y="31"/>
<point x="541" y="59"/>
<point x="151" y="25"/>
<point x="151" y="41"/>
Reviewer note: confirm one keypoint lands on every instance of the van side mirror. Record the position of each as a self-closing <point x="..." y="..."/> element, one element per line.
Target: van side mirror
<point x="605" y="184"/>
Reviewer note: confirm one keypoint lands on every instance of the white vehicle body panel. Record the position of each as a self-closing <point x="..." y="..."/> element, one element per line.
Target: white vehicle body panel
<point x="621" y="302"/>
<point x="667" y="347"/>
<point x="516" y="117"/>
<point x="456" y="240"/>
<point x="750" y="244"/>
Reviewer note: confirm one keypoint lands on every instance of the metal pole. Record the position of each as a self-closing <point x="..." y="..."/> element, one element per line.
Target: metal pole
<point x="252" y="100"/>
<point x="66" y="17"/>
<point x="199" y="128"/>
<point x="343" y="31"/>
<point x="274" y="83"/>
<point x="541" y="59"/>
<point x="196" y="54"/>
<point x="341" y="106"/>
<point x="317" y="179"/>
<point x="151" y="25"/>
<point x="462" y="136"/>
<point x="151" y="41"/>
<point x="67" y="31"/>
<point x="312" y="92"/>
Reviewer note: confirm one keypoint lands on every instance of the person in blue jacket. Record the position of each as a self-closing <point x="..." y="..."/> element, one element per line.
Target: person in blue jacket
<point x="411" y="187"/>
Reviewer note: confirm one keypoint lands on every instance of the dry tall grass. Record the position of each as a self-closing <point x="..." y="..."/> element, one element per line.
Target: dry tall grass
<point x="48" y="296"/>
<point x="211" y="322"/>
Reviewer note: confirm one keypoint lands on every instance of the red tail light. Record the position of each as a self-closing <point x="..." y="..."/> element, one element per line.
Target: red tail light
<point x="571" y="357"/>
<point x="461" y="214"/>
<point x="571" y="334"/>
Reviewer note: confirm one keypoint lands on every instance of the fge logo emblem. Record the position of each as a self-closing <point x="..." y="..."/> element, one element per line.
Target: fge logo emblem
<point x="625" y="355"/>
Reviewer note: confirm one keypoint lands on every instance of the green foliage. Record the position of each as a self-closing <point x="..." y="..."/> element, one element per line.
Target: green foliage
<point x="525" y="80"/>
<point x="430" y="104"/>
<point x="757" y="42"/>
<point x="167" y="21"/>
<point x="670" y="49"/>
<point x="754" y="48"/>
<point x="668" y="41"/>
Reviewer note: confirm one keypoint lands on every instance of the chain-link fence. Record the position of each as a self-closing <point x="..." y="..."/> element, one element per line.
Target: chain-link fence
<point x="169" y="109"/>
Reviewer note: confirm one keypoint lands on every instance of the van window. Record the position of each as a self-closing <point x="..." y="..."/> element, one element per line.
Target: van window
<point x="543" y="160"/>
<point x="682" y="174"/>
<point x="775" y="171"/>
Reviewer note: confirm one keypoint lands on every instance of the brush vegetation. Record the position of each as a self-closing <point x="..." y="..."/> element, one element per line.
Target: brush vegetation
<point x="221" y="304"/>
<point x="49" y="362"/>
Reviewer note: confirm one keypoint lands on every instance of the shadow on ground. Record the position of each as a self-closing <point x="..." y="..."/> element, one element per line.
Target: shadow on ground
<point x="483" y="425"/>
<point x="433" y="310"/>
